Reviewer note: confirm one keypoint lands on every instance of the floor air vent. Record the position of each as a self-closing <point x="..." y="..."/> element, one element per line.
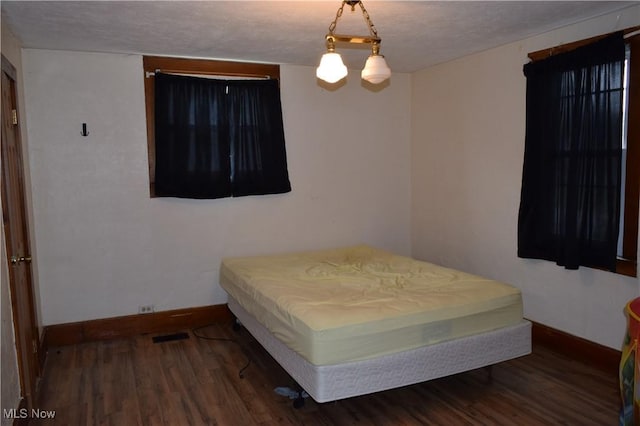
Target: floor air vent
<point x="170" y="337"/>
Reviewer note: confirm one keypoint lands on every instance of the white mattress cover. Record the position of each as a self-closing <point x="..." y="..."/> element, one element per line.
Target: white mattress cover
<point x="355" y="303"/>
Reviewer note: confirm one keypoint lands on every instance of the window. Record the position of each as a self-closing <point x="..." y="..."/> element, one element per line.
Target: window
<point x="211" y="136"/>
<point x="604" y="233"/>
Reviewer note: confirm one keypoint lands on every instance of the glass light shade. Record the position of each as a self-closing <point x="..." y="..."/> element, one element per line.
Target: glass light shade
<point x="331" y="68"/>
<point x="376" y="69"/>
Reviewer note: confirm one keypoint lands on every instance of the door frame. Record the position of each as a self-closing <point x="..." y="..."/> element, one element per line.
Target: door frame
<point x="20" y="270"/>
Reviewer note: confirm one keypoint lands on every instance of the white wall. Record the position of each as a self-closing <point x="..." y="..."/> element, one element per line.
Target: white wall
<point x="429" y="165"/>
<point x="10" y="392"/>
<point x="105" y="247"/>
<point x="468" y="122"/>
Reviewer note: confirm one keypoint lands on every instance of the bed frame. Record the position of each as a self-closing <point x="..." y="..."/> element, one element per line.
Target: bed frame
<point x="326" y="383"/>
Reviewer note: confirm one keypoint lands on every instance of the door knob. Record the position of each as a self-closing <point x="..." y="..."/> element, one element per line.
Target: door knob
<point x="15" y="259"/>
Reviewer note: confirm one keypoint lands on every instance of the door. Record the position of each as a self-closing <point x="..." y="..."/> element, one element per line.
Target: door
<point x="14" y="214"/>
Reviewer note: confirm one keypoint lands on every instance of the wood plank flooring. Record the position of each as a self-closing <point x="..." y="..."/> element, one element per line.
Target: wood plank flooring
<point x="196" y="382"/>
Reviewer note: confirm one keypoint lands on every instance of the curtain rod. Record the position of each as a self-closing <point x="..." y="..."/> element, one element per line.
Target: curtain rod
<point x="213" y="74"/>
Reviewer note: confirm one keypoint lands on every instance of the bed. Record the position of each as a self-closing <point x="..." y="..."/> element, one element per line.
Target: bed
<point x="355" y="320"/>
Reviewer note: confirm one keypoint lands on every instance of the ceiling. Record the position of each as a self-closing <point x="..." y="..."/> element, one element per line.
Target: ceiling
<point x="415" y="34"/>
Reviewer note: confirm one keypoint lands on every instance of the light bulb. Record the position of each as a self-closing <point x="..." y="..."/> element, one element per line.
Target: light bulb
<point x="376" y="69"/>
<point x="331" y="68"/>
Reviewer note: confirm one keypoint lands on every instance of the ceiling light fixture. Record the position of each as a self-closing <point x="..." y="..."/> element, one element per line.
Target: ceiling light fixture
<point x="332" y="69"/>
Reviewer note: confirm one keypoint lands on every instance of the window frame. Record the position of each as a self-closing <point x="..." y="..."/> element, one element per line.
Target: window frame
<point x="151" y="64"/>
<point x="627" y="264"/>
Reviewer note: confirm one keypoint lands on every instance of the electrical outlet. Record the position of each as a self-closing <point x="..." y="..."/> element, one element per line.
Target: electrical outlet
<point x="146" y="309"/>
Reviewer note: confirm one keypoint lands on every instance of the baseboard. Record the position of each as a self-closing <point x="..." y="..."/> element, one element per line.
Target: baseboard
<point x="582" y="350"/>
<point x="42" y="350"/>
<point x="133" y="325"/>
<point x="577" y="348"/>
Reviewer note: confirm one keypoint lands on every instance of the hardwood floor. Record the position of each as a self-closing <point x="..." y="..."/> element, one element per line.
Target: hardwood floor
<point x="196" y="382"/>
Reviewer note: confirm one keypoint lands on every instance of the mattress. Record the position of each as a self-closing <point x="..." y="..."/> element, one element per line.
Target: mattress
<point x="357" y="303"/>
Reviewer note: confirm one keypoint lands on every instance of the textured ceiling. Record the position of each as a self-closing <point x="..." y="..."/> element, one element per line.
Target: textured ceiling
<point x="415" y="34"/>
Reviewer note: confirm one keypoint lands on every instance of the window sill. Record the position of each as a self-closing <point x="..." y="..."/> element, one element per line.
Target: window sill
<point x="623" y="267"/>
<point x="626" y="267"/>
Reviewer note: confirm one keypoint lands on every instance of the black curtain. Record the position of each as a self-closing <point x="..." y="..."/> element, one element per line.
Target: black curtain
<point x="218" y="138"/>
<point x="259" y="159"/>
<point x="570" y="198"/>
<point x="191" y="138"/>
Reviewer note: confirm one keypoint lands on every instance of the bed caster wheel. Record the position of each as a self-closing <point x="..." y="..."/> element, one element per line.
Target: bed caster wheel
<point x="298" y="403"/>
<point x="236" y="326"/>
<point x="489" y="370"/>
